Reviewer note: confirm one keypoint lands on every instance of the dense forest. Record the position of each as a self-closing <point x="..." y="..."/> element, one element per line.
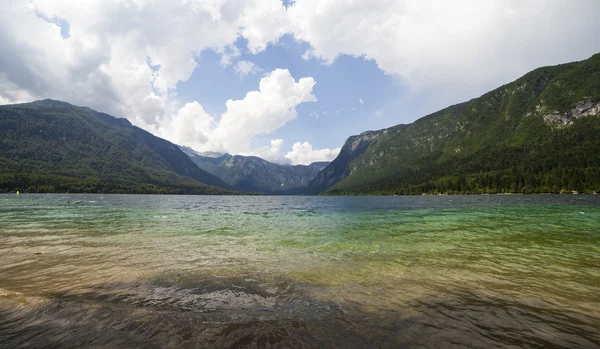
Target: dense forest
<point x="52" y="146"/>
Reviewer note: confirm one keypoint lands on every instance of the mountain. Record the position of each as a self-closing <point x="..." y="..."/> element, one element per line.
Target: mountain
<point x="250" y="173"/>
<point x="540" y="133"/>
<point x="209" y="154"/>
<point x="53" y="146"/>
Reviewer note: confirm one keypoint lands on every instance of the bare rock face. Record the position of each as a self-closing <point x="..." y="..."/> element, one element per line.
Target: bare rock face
<point x="362" y="142"/>
<point x="567" y="119"/>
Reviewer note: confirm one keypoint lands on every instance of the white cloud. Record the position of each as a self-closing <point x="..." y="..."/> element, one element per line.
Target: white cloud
<point x="304" y="154"/>
<point x="276" y="145"/>
<point x="229" y="54"/>
<point x="243" y="68"/>
<point x="270" y="153"/>
<point x="260" y="112"/>
<point x="308" y="54"/>
<point x="360" y="101"/>
<point x="438" y="45"/>
<point x="301" y="154"/>
<point x="443" y="44"/>
<point x="263" y="22"/>
<point x="191" y="125"/>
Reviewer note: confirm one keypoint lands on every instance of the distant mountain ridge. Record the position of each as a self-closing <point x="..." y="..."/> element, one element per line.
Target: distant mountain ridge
<point x="540" y="133"/>
<point x="208" y="154"/>
<point x="251" y="173"/>
<point x="53" y="146"/>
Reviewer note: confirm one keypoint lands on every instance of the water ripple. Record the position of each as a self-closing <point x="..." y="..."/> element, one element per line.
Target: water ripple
<point x="306" y="272"/>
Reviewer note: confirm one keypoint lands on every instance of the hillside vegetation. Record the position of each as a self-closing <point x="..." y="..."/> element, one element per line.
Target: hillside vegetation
<point x="540" y="133"/>
<point x="52" y="146"/>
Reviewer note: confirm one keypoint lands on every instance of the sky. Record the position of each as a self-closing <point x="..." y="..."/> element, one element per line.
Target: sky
<point x="288" y="81"/>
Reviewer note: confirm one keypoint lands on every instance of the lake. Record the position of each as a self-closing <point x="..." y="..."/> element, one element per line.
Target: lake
<point x="112" y="271"/>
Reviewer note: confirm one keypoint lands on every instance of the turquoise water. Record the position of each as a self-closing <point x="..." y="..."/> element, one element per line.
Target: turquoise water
<point x="306" y="272"/>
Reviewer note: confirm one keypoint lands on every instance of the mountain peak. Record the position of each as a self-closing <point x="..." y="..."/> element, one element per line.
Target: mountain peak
<point x="47" y="103"/>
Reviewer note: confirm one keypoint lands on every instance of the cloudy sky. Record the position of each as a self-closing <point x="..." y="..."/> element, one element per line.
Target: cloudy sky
<point x="288" y="81"/>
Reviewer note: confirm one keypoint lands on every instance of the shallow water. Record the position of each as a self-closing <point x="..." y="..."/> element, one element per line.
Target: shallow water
<point x="303" y="272"/>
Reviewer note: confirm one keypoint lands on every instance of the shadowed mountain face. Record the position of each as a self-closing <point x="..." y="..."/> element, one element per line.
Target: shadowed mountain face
<point x="540" y="133"/>
<point x="250" y="173"/>
<point x="52" y="146"/>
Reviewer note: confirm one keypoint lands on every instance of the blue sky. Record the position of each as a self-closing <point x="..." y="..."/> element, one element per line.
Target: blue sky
<point x="289" y="81"/>
<point x="339" y="88"/>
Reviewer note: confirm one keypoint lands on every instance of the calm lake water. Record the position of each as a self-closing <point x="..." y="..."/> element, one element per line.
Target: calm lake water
<point x="301" y="272"/>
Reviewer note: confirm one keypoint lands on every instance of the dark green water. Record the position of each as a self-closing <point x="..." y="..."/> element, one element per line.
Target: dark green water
<point x="302" y="272"/>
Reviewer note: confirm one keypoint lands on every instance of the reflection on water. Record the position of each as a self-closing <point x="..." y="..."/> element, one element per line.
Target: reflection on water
<point x="302" y="272"/>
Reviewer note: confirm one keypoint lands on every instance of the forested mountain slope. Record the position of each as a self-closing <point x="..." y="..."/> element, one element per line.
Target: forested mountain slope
<point x="52" y="146"/>
<point x="540" y="133"/>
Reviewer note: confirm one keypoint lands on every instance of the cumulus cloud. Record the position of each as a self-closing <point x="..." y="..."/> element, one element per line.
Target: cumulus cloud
<point x="262" y="111"/>
<point x="192" y="124"/>
<point x="259" y="112"/>
<point x="243" y="68"/>
<point x="270" y="153"/>
<point x="304" y="154"/>
<point x="264" y="22"/>
<point x="276" y="145"/>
